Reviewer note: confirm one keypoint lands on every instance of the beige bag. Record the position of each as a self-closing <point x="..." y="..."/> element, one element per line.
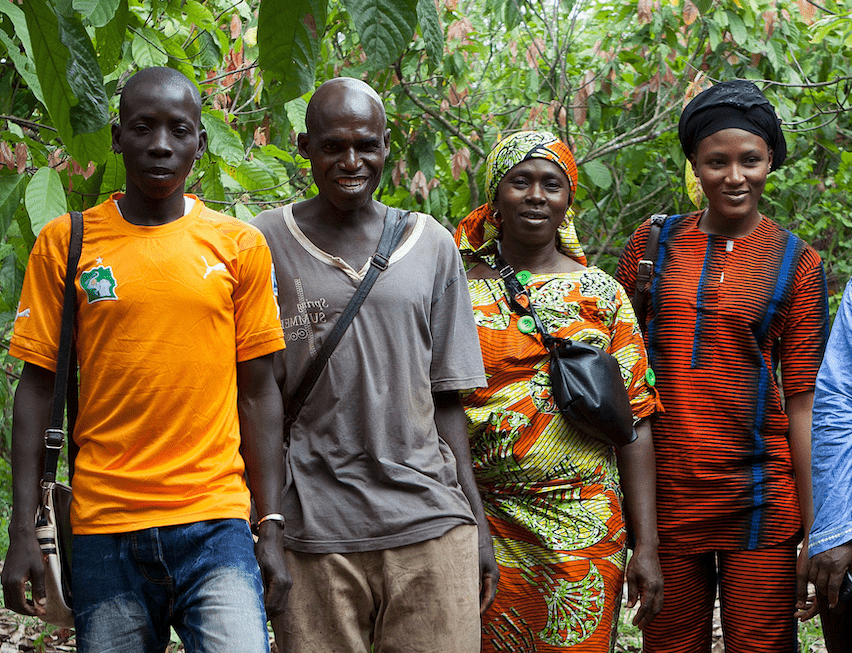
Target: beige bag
<point x="53" y="532"/>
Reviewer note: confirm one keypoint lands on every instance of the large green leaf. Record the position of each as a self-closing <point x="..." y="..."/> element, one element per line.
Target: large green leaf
<point x="146" y="49"/>
<point x="11" y="188"/>
<point x="84" y="75"/>
<point x="99" y="12"/>
<point x="113" y="177"/>
<point x="44" y="198"/>
<point x="296" y="111"/>
<point x="51" y="58"/>
<point x="430" y="26"/>
<point x="19" y="22"/>
<point x="178" y="58"/>
<point x="385" y="28"/>
<point x="243" y="212"/>
<point x="211" y="181"/>
<point x="598" y="173"/>
<point x="24" y="66"/>
<point x="222" y="140"/>
<point x="288" y="39"/>
<point x="251" y="175"/>
<point x="110" y="39"/>
<point x="198" y="14"/>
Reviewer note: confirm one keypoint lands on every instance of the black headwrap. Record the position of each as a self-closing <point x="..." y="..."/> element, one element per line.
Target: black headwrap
<point x="732" y="105"/>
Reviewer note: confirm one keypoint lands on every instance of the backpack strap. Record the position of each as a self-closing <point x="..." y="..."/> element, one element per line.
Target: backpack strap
<point x="645" y="267"/>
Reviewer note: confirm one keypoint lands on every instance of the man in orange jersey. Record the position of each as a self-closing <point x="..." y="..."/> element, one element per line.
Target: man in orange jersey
<point x="175" y="331"/>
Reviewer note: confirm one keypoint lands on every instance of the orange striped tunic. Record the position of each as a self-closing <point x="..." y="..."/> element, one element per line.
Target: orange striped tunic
<point x="726" y="319"/>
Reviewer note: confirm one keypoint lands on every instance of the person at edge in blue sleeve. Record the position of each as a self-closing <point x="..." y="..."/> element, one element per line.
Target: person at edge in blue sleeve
<point x="830" y="539"/>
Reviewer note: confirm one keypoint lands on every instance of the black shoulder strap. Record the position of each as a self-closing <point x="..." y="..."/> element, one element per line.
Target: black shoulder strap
<point x="645" y="267"/>
<point x="54" y="437"/>
<point x="395" y="223"/>
<point x="519" y="300"/>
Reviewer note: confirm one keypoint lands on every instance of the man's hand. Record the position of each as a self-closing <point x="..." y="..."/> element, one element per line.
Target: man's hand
<point x="277" y="581"/>
<point x="644" y="584"/>
<point x="827" y="570"/>
<point x="806" y="606"/>
<point x="489" y="572"/>
<point x="24" y="566"/>
<point x="24" y="562"/>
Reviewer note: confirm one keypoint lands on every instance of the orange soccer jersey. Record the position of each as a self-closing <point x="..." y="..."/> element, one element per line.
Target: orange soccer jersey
<point x="725" y="316"/>
<point x="163" y="315"/>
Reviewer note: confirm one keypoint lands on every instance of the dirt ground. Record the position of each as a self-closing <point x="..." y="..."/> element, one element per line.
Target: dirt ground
<point x="20" y="634"/>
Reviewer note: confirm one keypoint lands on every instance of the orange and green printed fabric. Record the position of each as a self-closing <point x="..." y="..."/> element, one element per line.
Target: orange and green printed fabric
<point x="551" y="493"/>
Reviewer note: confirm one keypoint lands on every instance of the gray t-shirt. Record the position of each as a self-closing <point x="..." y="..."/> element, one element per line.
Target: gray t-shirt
<point x="366" y="469"/>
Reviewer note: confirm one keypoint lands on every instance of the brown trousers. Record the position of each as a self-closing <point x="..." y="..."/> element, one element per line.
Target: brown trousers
<point x="419" y="598"/>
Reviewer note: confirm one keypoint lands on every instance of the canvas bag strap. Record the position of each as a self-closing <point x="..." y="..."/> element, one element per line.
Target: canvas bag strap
<point x="645" y="267"/>
<point x="54" y="436"/>
<point x="395" y="223"/>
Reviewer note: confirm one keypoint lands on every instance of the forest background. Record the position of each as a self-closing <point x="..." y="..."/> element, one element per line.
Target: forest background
<point x="609" y="76"/>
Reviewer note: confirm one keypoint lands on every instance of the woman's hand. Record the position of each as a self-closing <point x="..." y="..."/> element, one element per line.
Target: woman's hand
<point x="644" y="584"/>
<point x="638" y="472"/>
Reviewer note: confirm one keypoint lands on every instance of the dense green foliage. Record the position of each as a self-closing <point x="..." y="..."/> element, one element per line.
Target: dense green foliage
<point x="609" y="77"/>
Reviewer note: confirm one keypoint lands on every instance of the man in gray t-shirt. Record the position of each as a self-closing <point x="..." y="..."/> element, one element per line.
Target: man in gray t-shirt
<point x="382" y="510"/>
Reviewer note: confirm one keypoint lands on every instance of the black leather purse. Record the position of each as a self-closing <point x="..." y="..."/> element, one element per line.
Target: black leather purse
<point x="585" y="381"/>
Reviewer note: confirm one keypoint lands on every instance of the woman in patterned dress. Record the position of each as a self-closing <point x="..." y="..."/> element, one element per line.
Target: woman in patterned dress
<point x="553" y="495"/>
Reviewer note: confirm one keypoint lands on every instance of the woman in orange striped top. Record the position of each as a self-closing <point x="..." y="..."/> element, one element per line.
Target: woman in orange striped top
<point x="735" y="300"/>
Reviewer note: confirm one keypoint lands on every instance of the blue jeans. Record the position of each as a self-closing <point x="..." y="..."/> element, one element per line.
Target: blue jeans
<point x="202" y="579"/>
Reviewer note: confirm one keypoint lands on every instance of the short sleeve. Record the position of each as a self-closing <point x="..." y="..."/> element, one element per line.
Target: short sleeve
<point x="258" y="329"/>
<point x="831" y="438"/>
<point x="806" y="328"/>
<point x="456" y="355"/>
<point x="628" y="348"/>
<point x="35" y="338"/>
<point x="625" y="272"/>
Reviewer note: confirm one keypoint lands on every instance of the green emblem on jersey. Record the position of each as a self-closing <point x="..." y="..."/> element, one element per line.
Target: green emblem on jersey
<point x="99" y="284"/>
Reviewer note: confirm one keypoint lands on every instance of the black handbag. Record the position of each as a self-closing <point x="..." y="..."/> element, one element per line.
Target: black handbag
<point x="585" y="381"/>
<point x="53" y="515"/>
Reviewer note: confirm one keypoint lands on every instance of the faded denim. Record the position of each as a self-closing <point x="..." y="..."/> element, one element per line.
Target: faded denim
<point x="202" y="579"/>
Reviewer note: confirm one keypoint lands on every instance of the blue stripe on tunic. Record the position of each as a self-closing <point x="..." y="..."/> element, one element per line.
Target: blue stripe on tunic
<point x="783" y="280"/>
<point x="700" y="301"/>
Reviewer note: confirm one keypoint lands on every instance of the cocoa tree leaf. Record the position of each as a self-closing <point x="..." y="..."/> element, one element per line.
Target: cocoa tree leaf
<point x="110" y="39"/>
<point x="44" y="198"/>
<point x="385" y="28"/>
<point x="222" y="140"/>
<point x="433" y="32"/>
<point x="99" y="12"/>
<point x="289" y="33"/>
<point x="51" y="57"/>
<point x="91" y="111"/>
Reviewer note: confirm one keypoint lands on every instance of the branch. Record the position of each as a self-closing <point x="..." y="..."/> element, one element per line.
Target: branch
<point x="29" y="124"/>
<point x="436" y="115"/>
<point x="821" y="7"/>
<point x="230" y="72"/>
<point x="621" y="143"/>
